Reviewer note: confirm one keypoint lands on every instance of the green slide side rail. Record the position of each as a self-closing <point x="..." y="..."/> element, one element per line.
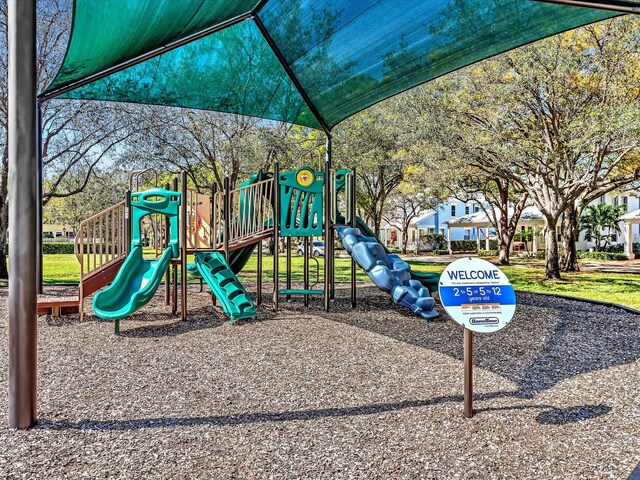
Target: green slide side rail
<point x="234" y="299"/>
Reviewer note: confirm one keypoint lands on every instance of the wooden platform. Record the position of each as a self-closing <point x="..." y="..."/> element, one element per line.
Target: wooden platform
<point x="58" y="305"/>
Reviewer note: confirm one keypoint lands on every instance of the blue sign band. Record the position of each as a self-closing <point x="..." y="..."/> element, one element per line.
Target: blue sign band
<point x="456" y="296"/>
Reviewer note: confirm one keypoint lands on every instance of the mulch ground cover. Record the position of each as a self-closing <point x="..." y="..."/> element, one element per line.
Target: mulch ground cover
<point x="367" y="393"/>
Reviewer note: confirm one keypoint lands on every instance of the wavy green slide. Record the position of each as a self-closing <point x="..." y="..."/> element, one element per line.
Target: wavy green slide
<point x="234" y="299"/>
<point x="138" y="279"/>
<point x="133" y="287"/>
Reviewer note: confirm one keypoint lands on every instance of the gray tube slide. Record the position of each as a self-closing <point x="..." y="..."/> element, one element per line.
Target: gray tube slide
<point x="388" y="272"/>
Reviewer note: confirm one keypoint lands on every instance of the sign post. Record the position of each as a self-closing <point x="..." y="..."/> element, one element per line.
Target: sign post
<point x="468" y="373"/>
<point x="477" y="295"/>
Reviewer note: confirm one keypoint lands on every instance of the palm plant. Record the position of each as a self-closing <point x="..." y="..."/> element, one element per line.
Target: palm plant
<point x="600" y="223"/>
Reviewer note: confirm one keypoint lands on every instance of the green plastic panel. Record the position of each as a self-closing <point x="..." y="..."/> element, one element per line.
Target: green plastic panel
<point x="301" y="202"/>
<point x="300" y="291"/>
<point x="156" y="200"/>
<point x="345" y="55"/>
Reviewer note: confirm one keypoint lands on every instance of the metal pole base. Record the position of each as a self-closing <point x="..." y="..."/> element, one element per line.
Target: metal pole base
<point x="468" y="373"/>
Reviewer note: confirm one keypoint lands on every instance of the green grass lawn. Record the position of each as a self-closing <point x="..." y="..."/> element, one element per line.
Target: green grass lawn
<point x="622" y="288"/>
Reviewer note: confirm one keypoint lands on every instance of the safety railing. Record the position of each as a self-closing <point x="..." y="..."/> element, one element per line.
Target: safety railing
<point x="100" y="240"/>
<point x="242" y="215"/>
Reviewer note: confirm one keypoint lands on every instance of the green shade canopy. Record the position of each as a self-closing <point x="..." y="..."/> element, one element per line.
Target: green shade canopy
<point x="309" y="62"/>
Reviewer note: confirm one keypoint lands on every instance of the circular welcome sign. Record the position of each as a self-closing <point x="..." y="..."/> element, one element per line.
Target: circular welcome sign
<point x="477" y="295"/>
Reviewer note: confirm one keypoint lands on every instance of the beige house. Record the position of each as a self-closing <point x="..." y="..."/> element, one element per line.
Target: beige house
<point x="58" y="232"/>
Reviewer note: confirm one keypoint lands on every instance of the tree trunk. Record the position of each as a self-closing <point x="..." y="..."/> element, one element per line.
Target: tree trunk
<point x="551" y="252"/>
<point x="505" y="247"/>
<point x="569" y="254"/>
<point x="405" y="240"/>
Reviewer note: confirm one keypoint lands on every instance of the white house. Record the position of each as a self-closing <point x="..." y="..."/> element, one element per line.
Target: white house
<point x="532" y="218"/>
<point x="431" y="221"/>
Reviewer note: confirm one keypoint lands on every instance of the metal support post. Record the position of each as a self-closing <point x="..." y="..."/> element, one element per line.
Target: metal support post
<point x="167" y="275"/>
<point x="468" y="373"/>
<point x="328" y="272"/>
<point x="39" y="197"/>
<point x="259" y="274"/>
<point x="276" y="233"/>
<point x="288" y="268"/>
<point x="305" y="269"/>
<point x="128" y="216"/>
<point x="183" y="245"/>
<point x="227" y="218"/>
<point x="351" y="185"/>
<point x="174" y="272"/>
<point x="23" y="211"/>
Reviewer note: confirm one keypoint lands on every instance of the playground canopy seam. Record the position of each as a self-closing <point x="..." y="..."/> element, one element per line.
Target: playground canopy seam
<point x="324" y="60"/>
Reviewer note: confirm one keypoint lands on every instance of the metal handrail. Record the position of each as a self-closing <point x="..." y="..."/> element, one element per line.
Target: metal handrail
<point x="138" y="173"/>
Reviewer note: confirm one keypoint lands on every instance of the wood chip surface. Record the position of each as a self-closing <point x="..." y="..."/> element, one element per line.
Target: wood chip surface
<point x="370" y="393"/>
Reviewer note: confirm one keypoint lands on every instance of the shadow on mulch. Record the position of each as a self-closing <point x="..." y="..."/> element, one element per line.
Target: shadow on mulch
<point x="548" y="341"/>
<point x="635" y="475"/>
<point x="555" y="416"/>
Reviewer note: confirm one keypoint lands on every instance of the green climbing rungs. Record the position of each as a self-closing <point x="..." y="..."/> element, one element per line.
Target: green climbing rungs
<point x="234" y="299"/>
<point x="301" y="291"/>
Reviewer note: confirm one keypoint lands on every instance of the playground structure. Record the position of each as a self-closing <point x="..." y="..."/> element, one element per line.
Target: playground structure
<point x="222" y="230"/>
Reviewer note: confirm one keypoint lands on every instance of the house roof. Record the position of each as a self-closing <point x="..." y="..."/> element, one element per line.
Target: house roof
<point x="631" y="217"/>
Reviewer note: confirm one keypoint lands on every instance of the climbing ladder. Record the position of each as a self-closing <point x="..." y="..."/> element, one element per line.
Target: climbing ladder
<point x="234" y="299"/>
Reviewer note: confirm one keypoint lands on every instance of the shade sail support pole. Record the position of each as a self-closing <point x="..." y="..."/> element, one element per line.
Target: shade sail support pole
<point x="328" y="248"/>
<point x="22" y="87"/>
<point x="292" y="76"/>
<point x="609" y="5"/>
<point x="39" y="197"/>
<point x="147" y="56"/>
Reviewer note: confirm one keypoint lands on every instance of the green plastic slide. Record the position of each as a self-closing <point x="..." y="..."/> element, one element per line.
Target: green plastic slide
<point x="133" y="287"/>
<point x="138" y="279"/>
<point x="234" y="299"/>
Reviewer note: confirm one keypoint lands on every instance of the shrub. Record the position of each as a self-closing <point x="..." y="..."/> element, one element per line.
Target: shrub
<point x="464" y="246"/>
<point x="494" y="244"/>
<point x="441" y="252"/>
<point x="602" y="255"/>
<point x="540" y="255"/>
<point x="57" y="247"/>
<point x="487" y="253"/>
<point x="433" y="241"/>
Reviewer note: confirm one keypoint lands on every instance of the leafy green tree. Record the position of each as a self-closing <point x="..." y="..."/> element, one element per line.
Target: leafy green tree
<point x="559" y="118"/>
<point x="600" y="223"/>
